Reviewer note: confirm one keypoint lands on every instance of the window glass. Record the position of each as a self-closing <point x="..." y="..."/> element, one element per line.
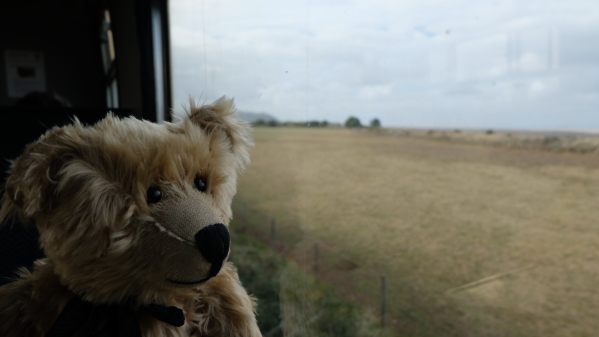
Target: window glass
<point x="421" y="168"/>
<point x="108" y="60"/>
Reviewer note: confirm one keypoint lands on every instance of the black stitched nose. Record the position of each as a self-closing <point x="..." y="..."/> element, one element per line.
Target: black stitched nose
<point x="213" y="242"/>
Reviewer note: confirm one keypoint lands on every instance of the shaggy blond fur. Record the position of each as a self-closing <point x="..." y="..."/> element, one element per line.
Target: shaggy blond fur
<point x="85" y="189"/>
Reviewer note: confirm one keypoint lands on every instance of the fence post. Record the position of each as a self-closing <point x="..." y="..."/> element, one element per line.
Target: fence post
<point x="273" y="228"/>
<point x="316" y="256"/>
<point x="383" y="300"/>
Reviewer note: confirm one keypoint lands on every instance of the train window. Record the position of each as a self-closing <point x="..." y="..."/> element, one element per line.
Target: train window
<point x="421" y="168"/>
<point x="108" y="61"/>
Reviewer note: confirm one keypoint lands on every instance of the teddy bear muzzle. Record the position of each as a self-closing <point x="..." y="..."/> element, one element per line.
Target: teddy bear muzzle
<point x="213" y="241"/>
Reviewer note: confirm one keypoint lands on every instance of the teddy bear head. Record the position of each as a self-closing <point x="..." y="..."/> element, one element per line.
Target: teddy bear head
<point x="129" y="208"/>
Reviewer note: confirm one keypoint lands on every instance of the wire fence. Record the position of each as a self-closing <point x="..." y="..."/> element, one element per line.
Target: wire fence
<point x="397" y="306"/>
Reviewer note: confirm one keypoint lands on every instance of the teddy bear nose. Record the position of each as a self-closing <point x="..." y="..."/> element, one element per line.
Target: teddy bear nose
<point x="213" y="242"/>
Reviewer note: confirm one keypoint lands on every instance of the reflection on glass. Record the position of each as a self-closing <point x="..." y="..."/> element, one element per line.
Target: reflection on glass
<point x="420" y="169"/>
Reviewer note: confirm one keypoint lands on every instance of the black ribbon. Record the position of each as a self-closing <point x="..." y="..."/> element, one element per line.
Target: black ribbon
<point x="85" y="319"/>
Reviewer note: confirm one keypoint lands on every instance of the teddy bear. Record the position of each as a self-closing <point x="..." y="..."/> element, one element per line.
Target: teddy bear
<point x="133" y="219"/>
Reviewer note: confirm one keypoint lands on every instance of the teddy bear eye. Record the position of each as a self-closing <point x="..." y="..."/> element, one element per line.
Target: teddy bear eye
<point x="200" y="183"/>
<point x="153" y="195"/>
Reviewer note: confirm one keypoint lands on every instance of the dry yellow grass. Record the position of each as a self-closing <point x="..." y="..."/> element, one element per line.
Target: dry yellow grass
<point x="576" y="142"/>
<point x="435" y="216"/>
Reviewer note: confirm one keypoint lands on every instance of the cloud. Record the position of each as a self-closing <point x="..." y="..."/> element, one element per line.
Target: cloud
<point x="411" y="63"/>
<point x="372" y="92"/>
<point x="424" y="31"/>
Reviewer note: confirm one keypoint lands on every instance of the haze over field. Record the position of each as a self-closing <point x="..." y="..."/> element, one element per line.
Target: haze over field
<point x="448" y="64"/>
<point x="474" y="240"/>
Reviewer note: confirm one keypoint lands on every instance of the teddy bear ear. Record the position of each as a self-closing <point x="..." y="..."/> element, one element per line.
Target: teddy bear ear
<point x="28" y="187"/>
<point x="219" y="117"/>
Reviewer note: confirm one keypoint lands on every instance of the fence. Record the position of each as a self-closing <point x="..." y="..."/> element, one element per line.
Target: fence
<point x="398" y="306"/>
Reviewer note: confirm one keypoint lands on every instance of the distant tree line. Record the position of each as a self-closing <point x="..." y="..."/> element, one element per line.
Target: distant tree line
<point x="352" y="122"/>
<point x="308" y="124"/>
<point x="262" y="122"/>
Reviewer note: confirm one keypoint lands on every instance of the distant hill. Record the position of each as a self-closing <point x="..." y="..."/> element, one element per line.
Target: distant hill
<point x="253" y="117"/>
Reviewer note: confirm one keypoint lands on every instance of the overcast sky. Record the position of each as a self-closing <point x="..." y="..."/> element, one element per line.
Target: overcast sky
<point x="518" y="64"/>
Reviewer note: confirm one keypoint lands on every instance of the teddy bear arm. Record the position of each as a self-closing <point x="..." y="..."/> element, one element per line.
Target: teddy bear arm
<point x="13" y="316"/>
<point x="30" y="304"/>
<point x="224" y="308"/>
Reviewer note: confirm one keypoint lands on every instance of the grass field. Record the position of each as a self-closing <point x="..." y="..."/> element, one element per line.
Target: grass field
<point x="295" y="303"/>
<point x="473" y="240"/>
